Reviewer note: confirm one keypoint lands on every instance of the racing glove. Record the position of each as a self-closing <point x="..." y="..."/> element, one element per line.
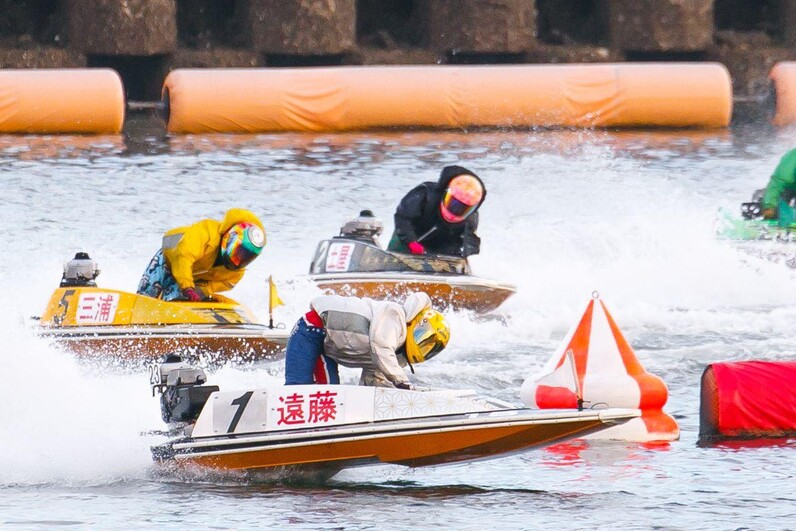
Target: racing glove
<point x="416" y="248"/>
<point x="192" y="295"/>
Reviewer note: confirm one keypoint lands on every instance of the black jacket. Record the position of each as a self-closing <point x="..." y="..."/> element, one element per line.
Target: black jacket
<point x="418" y="212"/>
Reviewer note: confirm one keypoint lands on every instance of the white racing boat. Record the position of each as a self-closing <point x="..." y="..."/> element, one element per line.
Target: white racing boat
<point x="330" y="427"/>
<point x="350" y="266"/>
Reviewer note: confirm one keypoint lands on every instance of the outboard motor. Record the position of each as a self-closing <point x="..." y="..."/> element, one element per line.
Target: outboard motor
<point x="366" y="227"/>
<point x="80" y="271"/>
<point x="182" y="390"/>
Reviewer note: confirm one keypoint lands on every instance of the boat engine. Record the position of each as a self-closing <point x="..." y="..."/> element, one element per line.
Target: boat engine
<point x="182" y="390"/>
<point x="80" y="271"/>
<point x="366" y="227"/>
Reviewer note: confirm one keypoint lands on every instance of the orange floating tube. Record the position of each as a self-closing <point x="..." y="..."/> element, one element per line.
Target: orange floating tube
<point x="89" y="101"/>
<point x="444" y="97"/>
<point x="783" y="77"/>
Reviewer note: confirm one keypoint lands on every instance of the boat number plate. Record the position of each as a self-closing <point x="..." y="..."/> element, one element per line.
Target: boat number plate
<point x="339" y="257"/>
<point x="300" y="406"/>
<point x="97" y="307"/>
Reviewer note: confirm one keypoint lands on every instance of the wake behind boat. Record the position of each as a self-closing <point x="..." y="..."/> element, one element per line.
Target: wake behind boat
<point x="356" y="267"/>
<point x="330" y="427"/>
<point x="92" y="321"/>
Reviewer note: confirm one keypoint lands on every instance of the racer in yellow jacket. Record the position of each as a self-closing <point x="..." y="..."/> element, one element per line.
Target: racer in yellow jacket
<point x="207" y="257"/>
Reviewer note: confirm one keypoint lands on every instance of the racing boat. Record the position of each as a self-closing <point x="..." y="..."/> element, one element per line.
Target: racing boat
<point x="743" y="228"/>
<point x="768" y="239"/>
<point x="325" y="428"/>
<point x="90" y="321"/>
<point x="351" y="266"/>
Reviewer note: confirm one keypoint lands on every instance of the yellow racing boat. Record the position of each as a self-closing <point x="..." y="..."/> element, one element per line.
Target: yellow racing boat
<point x="89" y="321"/>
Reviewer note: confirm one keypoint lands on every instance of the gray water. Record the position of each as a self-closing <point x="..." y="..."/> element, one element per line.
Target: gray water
<point x="627" y="214"/>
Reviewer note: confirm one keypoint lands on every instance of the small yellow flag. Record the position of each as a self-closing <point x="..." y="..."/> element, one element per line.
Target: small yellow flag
<point x="273" y="296"/>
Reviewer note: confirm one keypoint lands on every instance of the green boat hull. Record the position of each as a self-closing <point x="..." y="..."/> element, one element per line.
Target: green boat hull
<point x="732" y="227"/>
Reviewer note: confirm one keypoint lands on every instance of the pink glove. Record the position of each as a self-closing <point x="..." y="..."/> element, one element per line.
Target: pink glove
<point x="416" y="248"/>
<point x="191" y="295"/>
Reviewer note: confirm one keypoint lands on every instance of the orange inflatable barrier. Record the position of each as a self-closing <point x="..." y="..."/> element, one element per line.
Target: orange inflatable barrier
<point x="783" y="78"/>
<point x="61" y="101"/>
<point x="443" y="97"/>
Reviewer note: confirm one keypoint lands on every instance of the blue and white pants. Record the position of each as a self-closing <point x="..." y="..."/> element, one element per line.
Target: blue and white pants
<point x="157" y="281"/>
<point x="305" y="362"/>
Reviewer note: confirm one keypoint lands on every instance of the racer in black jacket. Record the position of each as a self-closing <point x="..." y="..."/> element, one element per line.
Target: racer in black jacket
<point x="440" y="217"/>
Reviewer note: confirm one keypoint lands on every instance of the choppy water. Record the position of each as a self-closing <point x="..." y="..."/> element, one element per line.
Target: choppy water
<point x="628" y="214"/>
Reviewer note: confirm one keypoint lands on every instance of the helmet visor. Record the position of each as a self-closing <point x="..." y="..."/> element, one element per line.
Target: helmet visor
<point x="240" y="256"/>
<point x="243" y="244"/>
<point x="455" y="207"/>
<point x="425" y="337"/>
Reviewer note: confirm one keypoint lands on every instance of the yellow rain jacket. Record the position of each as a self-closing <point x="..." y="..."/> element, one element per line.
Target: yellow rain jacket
<point x="192" y="251"/>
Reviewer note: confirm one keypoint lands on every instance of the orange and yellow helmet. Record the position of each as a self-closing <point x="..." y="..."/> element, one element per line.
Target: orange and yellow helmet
<point x="426" y="336"/>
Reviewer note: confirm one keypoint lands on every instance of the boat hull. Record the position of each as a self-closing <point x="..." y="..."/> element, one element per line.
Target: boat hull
<point x="414" y="443"/>
<point x="240" y="343"/>
<point x="730" y="227"/>
<point x="458" y="292"/>
<point x="90" y="322"/>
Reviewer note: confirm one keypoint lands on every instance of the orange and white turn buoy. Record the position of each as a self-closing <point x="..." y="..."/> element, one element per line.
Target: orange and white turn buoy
<point x="595" y="364"/>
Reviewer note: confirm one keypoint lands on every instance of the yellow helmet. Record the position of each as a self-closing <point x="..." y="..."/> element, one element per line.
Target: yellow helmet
<point x="427" y="334"/>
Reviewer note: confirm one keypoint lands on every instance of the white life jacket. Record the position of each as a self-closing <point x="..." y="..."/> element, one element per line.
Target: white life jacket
<point x="366" y="333"/>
